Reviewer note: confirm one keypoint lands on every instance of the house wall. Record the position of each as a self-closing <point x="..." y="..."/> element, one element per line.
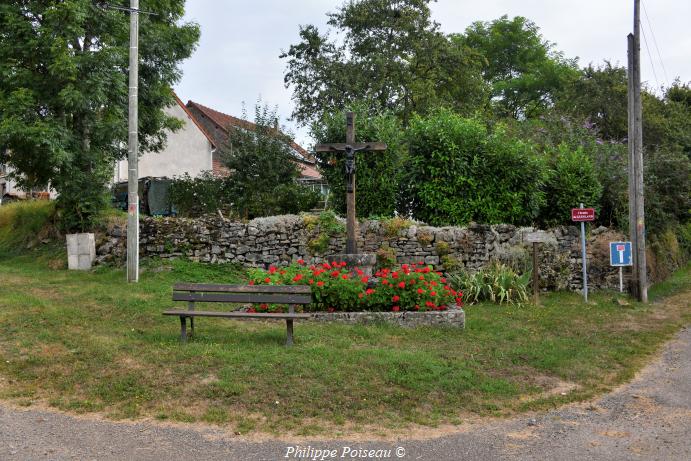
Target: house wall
<point x="186" y="151"/>
<point x="9" y="187"/>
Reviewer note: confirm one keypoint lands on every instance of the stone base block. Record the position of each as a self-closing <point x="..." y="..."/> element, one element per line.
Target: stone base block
<point x="81" y="251"/>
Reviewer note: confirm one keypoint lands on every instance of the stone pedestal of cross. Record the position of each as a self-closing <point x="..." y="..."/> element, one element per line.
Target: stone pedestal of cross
<point x="350" y="148"/>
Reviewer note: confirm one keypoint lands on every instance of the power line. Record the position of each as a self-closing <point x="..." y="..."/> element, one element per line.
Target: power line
<point x="652" y="33"/>
<point x="652" y="64"/>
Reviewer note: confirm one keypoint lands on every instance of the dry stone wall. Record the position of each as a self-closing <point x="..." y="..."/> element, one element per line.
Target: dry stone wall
<point x="279" y="240"/>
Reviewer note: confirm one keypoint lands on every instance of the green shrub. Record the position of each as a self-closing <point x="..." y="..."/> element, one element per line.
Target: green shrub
<point x="195" y="196"/>
<point x="571" y="180"/>
<point x="458" y="172"/>
<point x="496" y="283"/>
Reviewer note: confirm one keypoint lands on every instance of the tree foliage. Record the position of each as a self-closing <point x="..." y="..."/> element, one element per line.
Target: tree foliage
<point x="391" y="55"/>
<point x="63" y="92"/>
<point x="524" y="70"/>
<point x="263" y="169"/>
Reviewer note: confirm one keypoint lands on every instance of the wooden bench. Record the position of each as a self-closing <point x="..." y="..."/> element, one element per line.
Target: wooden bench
<point x="257" y="294"/>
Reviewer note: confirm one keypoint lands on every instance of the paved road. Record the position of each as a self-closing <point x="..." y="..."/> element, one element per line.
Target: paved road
<point x="649" y="418"/>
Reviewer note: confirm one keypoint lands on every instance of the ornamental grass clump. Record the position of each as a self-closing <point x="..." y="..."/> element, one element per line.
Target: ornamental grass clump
<point x="335" y="287"/>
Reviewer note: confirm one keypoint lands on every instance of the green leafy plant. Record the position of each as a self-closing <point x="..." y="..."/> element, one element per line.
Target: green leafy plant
<point x="496" y="283"/>
<point x="326" y="225"/>
<point x="195" y="196"/>
<point x="386" y="256"/>
<point x="460" y="172"/>
<point x="393" y="226"/>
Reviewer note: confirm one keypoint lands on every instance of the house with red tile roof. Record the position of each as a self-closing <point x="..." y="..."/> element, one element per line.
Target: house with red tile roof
<point x="195" y="147"/>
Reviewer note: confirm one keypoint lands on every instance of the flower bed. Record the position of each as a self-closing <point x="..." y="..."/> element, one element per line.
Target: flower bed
<point x="336" y="288"/>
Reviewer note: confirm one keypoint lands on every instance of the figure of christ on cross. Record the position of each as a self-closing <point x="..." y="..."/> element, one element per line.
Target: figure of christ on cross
<point x="350" y="148"/>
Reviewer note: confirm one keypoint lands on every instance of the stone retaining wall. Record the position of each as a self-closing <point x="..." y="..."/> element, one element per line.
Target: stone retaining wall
<point x="279" y="240"/>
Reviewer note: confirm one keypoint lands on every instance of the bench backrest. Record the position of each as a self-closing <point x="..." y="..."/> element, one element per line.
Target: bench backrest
<point x="278" y="294"/>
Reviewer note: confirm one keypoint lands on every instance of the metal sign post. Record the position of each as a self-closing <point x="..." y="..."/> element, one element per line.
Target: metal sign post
<point x="620" y="255"/>
<point x="582" y="215"/>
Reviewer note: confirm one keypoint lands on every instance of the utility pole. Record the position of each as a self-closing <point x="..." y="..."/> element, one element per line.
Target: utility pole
<point x="133" y="150"/>
<point x="635" y="136"/>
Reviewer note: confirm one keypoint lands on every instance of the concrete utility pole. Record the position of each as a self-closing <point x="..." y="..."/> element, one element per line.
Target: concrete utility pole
<point x="635" y="136"/>
<point x="133" y="150"/>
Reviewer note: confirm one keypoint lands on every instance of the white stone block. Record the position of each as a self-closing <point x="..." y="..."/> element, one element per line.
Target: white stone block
<point x="81" y="251"/>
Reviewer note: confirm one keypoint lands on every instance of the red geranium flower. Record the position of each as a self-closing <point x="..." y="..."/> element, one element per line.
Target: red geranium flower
<point x="433" y="293"/>
<point x="297" y="278"/>
<point x="369" y="291"/>
<point x="320" y="283"/>
<point x="401" y="285"/>
<point x="395" y="308"/>
<point x="251" y="282"/>
<point x="301" y="262"/>
<point x="344" y="276"/>
<point x="395" y="298"/>
<point x="267" y="280"/>
<point x="272" y="270"/>
<point x="252" y="309"/>
<point x="420" y="291"/>
<point x="335" y="273"/>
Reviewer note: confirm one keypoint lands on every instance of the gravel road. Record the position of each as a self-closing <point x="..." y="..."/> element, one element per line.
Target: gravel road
<point x="649" y="418"/>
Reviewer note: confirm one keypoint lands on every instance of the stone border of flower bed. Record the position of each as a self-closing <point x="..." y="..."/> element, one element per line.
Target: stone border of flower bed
<point x="452" y="317"/>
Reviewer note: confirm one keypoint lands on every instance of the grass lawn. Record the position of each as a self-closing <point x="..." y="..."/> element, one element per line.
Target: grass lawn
<point x="88" y="342"/>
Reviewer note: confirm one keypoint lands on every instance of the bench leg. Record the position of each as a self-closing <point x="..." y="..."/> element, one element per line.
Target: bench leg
<point x="192" y="326"/>
<point x="183" y="329"/>
<point x="289" y="340"/>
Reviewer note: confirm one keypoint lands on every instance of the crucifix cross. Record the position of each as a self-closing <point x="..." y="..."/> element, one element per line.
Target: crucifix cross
<point x="350" y="148"/>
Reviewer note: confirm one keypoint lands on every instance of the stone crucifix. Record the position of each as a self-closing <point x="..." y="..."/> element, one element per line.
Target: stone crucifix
<point x="350" y="148"/>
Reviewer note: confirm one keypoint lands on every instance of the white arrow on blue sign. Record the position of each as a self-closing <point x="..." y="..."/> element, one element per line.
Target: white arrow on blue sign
<point x="620" y="254"/>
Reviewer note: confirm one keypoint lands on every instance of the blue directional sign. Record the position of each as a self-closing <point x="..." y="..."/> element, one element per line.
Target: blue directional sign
<point x="620" y="254"/>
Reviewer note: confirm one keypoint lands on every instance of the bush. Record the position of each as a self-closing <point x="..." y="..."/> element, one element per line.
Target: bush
<point x="336" y="288"/>
<point x="195" y="196"/>
<point x="326" y="225"/>
<point x="571" y="180"/>
<point x="497" y="283"/>
<point x="458" y="173"/>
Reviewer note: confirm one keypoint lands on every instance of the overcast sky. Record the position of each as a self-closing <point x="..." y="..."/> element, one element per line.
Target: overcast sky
<point x="237" y="57"/>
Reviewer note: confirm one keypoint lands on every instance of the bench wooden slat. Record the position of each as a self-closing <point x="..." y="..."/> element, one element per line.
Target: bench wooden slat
<point x="242" y="298"/>
<point x="287" y="289"/>
<point x="258" y="315"/>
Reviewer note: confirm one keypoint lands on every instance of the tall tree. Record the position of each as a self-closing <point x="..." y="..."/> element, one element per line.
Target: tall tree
<point x="524" y="70"/>
<point x="63" y="91"/>
<point x="264" y="169"/>
<point x="392" y="56"/>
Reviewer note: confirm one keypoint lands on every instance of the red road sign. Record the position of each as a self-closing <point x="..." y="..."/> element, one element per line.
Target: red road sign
<point x="582" y="214"/>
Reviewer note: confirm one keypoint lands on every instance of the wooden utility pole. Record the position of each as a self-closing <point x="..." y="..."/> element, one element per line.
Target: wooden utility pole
<point x="635" y="137"/>
<point x="133" y="150"/>
<point x="633" y="287"/>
